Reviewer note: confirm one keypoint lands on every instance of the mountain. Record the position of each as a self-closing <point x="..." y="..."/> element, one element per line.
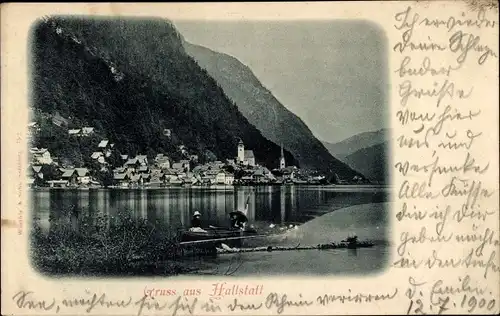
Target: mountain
<point x="131" y="79"/>
<point x="264" y="111"/>
<point x="352" y="144"/>
<point x="366" y="152"/>
<point x="371" y="161"/>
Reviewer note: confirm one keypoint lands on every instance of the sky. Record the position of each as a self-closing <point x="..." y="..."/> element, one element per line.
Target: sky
<point x="332" y="74"/>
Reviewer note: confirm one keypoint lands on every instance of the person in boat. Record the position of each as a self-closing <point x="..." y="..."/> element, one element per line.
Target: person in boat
<point x="238" y="220"/>
<point x="196" y="223"/>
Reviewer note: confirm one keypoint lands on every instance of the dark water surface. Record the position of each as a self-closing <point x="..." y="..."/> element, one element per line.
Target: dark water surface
<point x="359" y="210"/>
<point x="172" y="208"/>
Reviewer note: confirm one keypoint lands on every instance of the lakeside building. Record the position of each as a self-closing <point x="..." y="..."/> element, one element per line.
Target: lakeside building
<point x="41" y="156"/>
<point x="282" y="159"/>
<point x="245" y="157"/>
<point x="141" y="170"/>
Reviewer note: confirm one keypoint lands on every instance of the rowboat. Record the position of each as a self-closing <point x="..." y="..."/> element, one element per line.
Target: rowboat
<point x="206" y="241"/>
<point x="215" y="234"/>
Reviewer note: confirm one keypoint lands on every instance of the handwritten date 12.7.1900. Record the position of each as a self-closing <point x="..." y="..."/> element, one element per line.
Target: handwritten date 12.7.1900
<point x="447" y="298"/>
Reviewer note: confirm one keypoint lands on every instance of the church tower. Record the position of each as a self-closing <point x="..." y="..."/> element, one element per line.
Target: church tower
<point x="282" y="159"/>
<point x="241" y="151"/>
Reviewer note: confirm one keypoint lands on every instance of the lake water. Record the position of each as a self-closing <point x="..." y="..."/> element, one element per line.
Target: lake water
<point x="280" y="207"/>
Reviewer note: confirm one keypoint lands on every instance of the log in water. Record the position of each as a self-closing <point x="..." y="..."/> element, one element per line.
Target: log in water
<point x="227" y="250"/>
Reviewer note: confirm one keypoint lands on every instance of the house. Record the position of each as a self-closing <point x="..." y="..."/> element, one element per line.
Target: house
<point x="103" y="143"/>
<point x="37" y="171"/>
<point x="130" y="171"/>
<point x="136" y="179"/>
<point x="121" y="179"/>
<point x="58" y="120"/>
<point x="170" y="174"/>
<point x="83" y="175"/>
<point x="58" y="183"/>
<point x="143" y="170"/>
<point x="41" y="156"/>
<point x="70" y="176"/>
<point x="145" y="177"/>
<point x="289" y="173"/>
<point x="35" y="175"/>
<point x="224" y="177"/>
<point x="175" y="181"/>
<point x="87" y="131"/>
<point x="119" y="170"/>
<point x="178" y="166"/>
<point x="30" y="182"/>
<point x="218" y="164"/>
<point x="259" y="176"/>
<point x="208" y="180"/>
<point x="96" y="155"/>
<point x="156" y="177"/>
<point x="220" y="178"/>
<point x="229" y="179"/>
<point x="185" y="164"/>
<point x="167" y="132"/>
<point x="132" y="164"/>
<point x="142" y="159"/>
<point x="74" y="132"/>
<point x="247" y="179"/>
<point x="124" y="157"/>
<point x="189" y="178"/>
<point x="212" y="172"/>
<point x="33" y="127"/>
<point x="163" y="162"/>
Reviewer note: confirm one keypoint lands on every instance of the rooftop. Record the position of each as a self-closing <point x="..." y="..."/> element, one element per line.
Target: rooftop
<point x="249" y="154"/>
<point x="119" y="176"/>
<point x="82" y="172"/>
<point x="103" y="143"/>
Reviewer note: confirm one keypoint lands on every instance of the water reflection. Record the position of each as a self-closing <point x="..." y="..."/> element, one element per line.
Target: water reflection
<point x="172" y="208"/>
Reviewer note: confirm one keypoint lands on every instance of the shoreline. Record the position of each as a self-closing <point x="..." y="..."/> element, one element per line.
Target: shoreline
<point x="328" y="187"/>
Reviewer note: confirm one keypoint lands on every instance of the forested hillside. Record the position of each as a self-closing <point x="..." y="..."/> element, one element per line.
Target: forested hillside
<point x="131" y="80"/>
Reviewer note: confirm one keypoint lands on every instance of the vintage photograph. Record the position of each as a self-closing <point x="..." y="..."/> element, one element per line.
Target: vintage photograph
<point x="208" y="148"/>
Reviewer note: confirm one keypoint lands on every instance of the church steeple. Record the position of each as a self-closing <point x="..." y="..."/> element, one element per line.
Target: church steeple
<point x="241" y="151"/>
<point x="282" y="158"/>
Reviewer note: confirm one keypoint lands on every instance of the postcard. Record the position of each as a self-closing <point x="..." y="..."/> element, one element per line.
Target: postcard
<point x="250" y="158"/>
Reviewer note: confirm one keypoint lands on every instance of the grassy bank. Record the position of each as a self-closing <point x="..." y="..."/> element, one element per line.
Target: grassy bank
<point x="88" y="245"/>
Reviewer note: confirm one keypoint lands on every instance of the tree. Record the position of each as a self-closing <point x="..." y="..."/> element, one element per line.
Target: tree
<point x="115" y="159"/>
<point x="228" y="168"/>
<point x="50" y="172"/>
<point x="105" y="178"/>
<point x="210" y="156"/>
<point x="239" y="174"/>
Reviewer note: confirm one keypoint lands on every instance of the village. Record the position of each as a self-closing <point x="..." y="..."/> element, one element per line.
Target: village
<point x="141" y="171"/>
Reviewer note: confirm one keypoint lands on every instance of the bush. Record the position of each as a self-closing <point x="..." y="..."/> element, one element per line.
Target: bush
<point x="105" y="245"/>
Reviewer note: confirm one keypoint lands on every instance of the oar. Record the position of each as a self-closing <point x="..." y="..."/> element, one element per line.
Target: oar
<point x="248" y="201"/>
<point x="222" y="239"/>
